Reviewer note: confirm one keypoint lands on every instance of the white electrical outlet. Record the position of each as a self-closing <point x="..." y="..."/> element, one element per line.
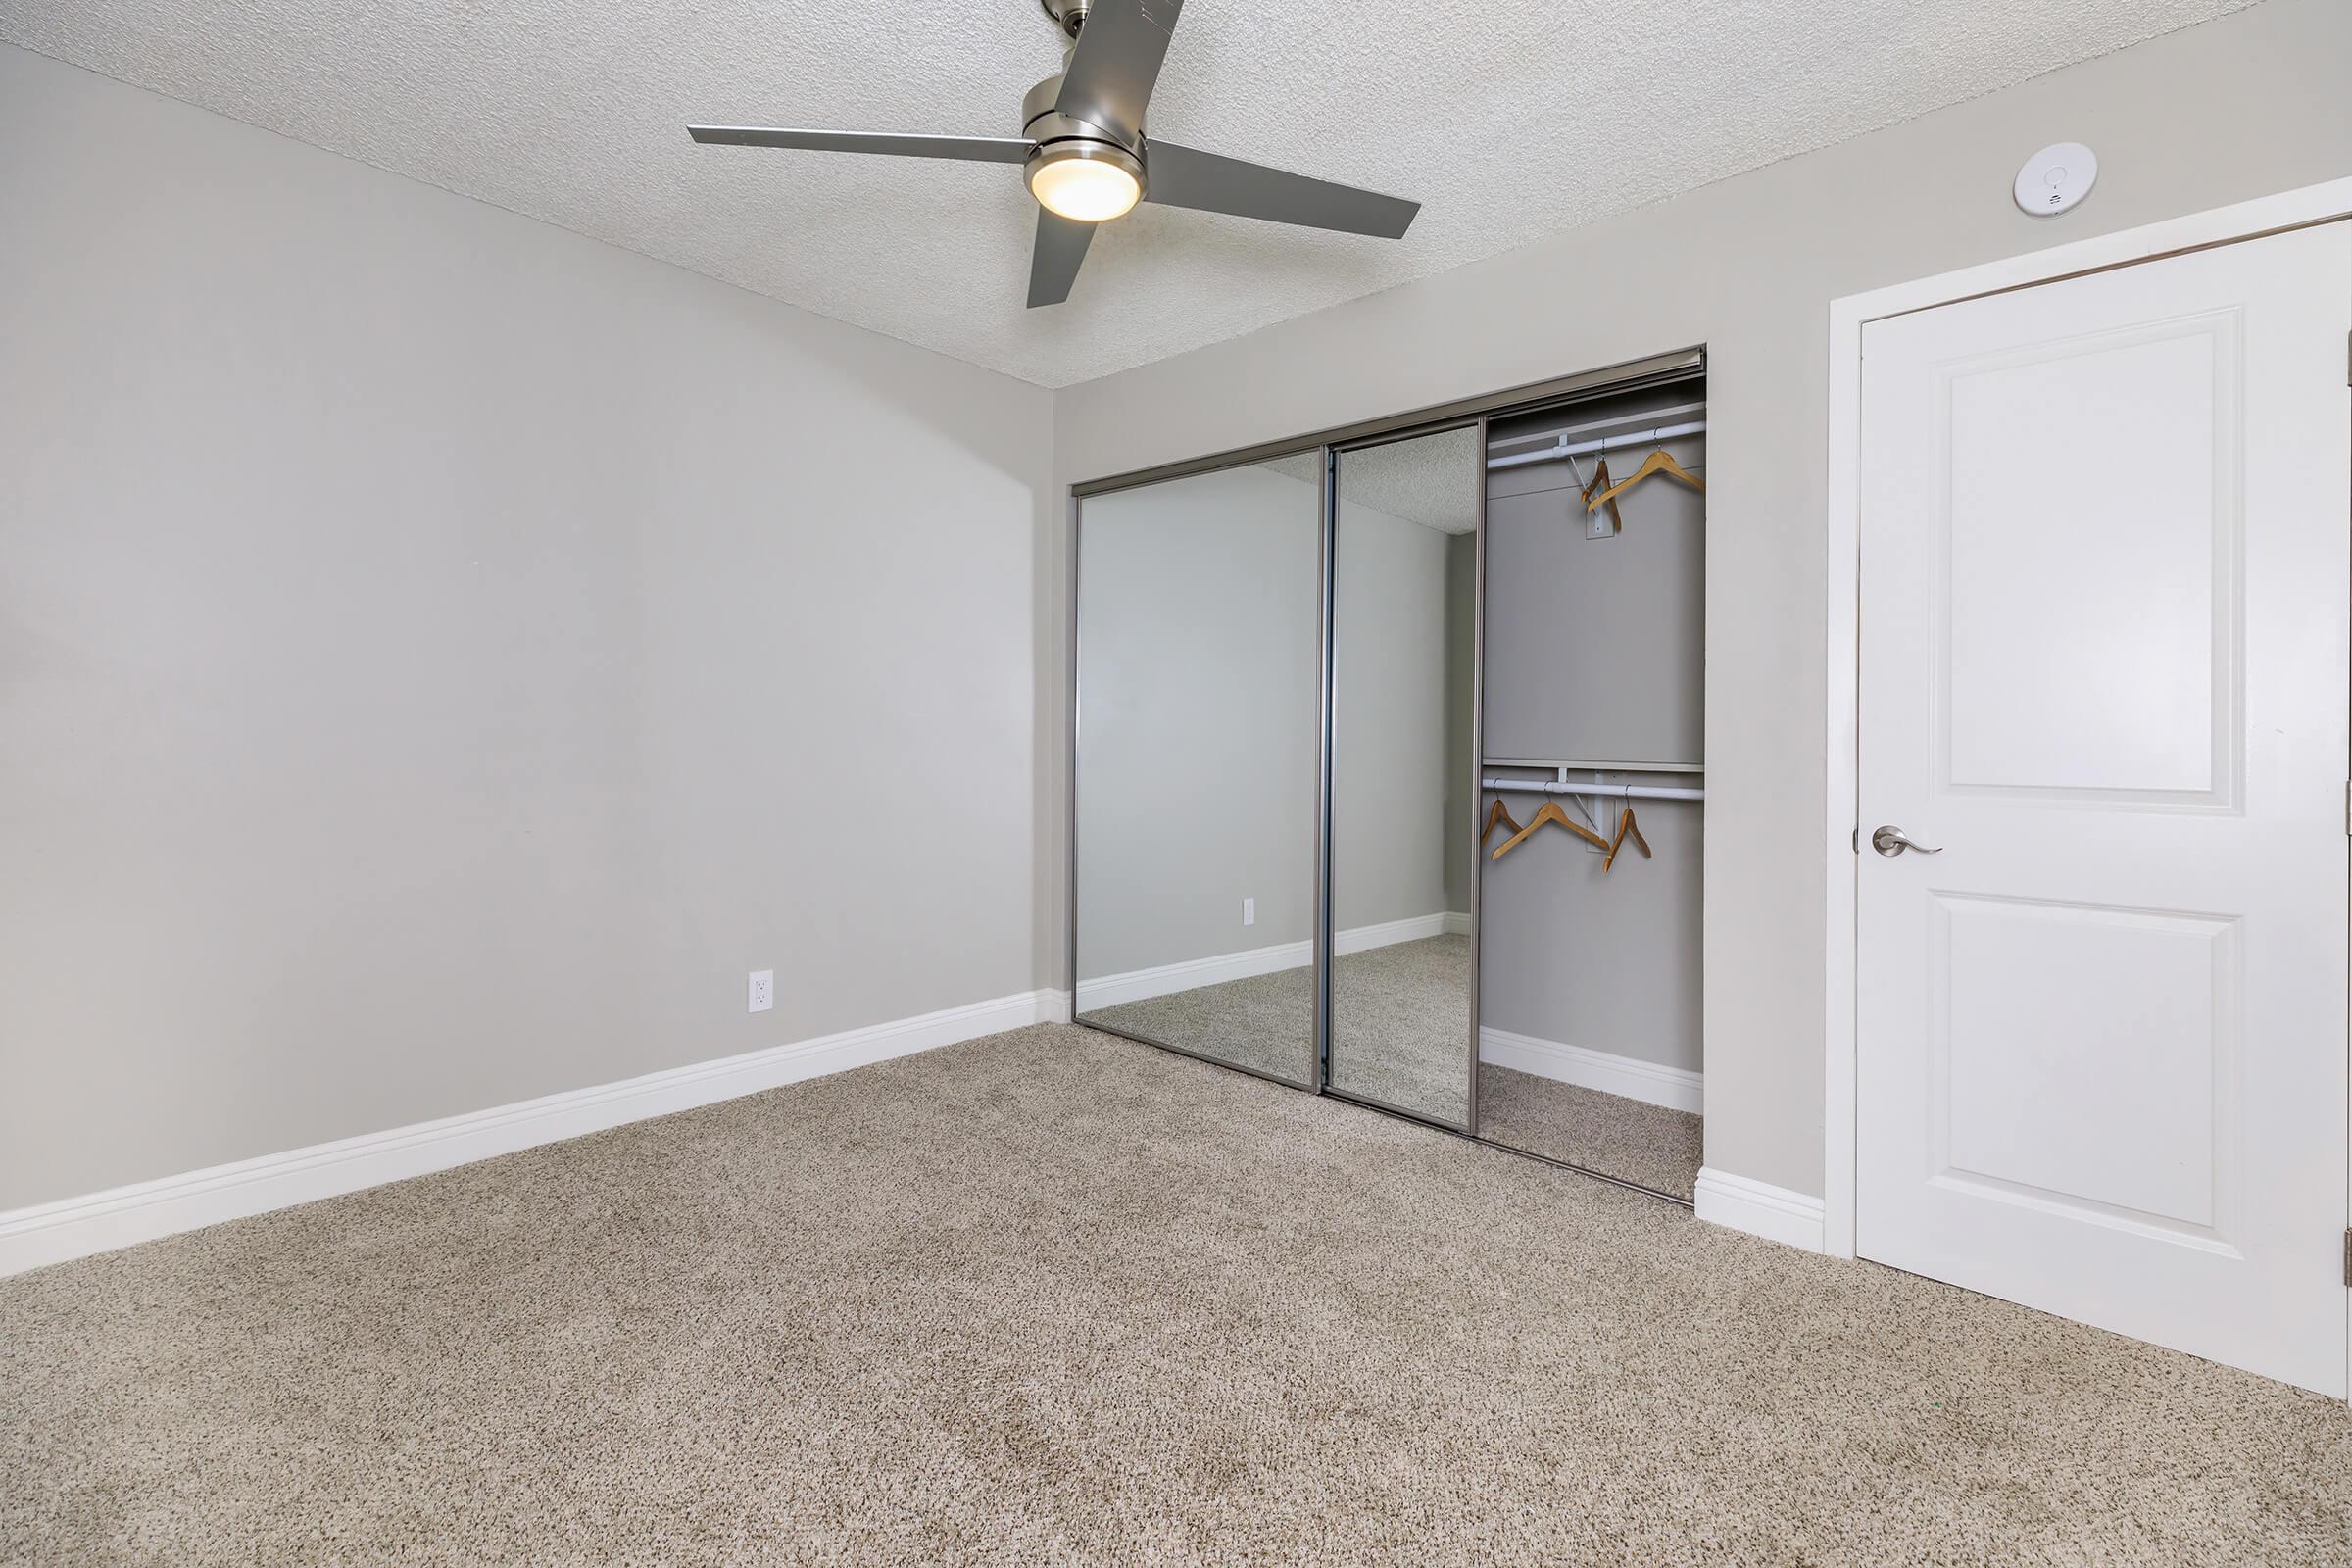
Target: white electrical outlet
<point x="763" y="990"/>
<point x="1248" y="911"/>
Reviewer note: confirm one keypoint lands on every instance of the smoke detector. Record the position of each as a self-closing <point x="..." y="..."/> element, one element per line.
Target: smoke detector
<point x="2056" y="177"/>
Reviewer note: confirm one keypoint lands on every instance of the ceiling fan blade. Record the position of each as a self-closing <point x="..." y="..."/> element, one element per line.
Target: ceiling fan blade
<point x="1185" y="176"/>
<point x="1108" y="81"/>
<point x="1053" y="265"/>
<point x="978" y="149"/>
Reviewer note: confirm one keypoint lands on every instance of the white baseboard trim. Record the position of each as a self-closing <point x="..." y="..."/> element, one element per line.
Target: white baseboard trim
<point x="100" y="1222"/>
<point x="1138" y="985"/>
<point x="1775" y="1213"/>
<point x="1191" y="974"/>
<point x="1457" y="923"/>
<point x="1389" y="933"/>
<point x="1675" y="1087"/>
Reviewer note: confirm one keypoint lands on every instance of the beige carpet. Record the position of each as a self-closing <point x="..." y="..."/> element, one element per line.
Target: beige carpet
<point x="1057" y="1298"/>
<point x="1399" y="1034"/>
<point x="1400" y="1024"/>
<point x="1265" y="1023"/>
<point x="1635" y="1142"/>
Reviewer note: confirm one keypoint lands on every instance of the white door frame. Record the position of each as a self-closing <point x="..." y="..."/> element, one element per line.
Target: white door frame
<point x="2294" y="208"/>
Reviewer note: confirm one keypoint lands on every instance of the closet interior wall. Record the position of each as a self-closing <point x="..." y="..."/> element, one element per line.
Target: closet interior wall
<point x="1595" y="658"/>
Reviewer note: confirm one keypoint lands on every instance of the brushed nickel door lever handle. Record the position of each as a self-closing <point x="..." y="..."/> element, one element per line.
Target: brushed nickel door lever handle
<point x="1892" y="840"/>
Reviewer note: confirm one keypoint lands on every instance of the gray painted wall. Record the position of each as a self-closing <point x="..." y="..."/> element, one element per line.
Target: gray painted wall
<point x="1388" y="761"/>
<point x="1461" y="702"/>
<point x="1606" y="961"/>
<point x="1199" y="603"/>
<point x="1593" y="652"/>
<point x="440" y="654"/>
<point x="1594" y="647"/>
<point x="1197" y="783"/>
<point x="2230" y="110"/>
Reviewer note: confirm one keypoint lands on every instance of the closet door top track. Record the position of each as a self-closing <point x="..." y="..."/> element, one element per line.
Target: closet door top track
<point x="1631" y="376"/>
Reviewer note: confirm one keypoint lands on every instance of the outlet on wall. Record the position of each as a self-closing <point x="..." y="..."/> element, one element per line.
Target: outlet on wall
<point x="1248" y="911"/>
<point x="763" y="990"/>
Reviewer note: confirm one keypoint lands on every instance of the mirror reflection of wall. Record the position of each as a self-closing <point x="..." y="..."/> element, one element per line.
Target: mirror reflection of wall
<point x="1199" y="723"/>
<point x="1588" y="1001"/>
<point x="1404" y="629"/>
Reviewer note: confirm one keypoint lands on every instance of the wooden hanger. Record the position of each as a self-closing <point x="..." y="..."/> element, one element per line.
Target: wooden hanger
<point x="1601" y="482"/>
<point x="1626" y="825"/>
<point x="1658" y="462"/>
<point x="1498" y="815"/>
<point x="1549" y="811"/>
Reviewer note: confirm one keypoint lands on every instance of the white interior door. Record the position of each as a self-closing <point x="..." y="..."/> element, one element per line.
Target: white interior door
<point x="2102" y="1035"/>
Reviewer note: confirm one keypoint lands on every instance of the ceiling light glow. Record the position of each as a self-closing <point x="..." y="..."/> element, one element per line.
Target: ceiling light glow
<point x="1086" y="182"/>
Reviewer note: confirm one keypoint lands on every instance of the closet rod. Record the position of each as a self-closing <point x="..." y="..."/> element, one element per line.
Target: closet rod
<point x="1607" y="792"/>
<point x="1665" y="414"/>
<point x="1565" y="448"/>
<point x="1593" y="766"/>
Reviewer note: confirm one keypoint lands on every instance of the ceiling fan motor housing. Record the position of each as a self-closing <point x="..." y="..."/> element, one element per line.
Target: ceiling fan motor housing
<point x="1042" y="121"/>
<point x="1069" y="14"/>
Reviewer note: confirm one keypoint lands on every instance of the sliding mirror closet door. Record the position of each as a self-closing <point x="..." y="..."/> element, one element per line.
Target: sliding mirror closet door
<point x="1403" y="584"/>
<point x="1199" y="716"/>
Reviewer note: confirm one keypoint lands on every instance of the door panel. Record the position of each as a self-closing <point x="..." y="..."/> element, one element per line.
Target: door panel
<point x="2084" y="1058"/>
<point x="1403" y="770"/>
<point x="2117" y="567"/>
<point x="2102" y="1034"/>
<point x="1198" y="751"/>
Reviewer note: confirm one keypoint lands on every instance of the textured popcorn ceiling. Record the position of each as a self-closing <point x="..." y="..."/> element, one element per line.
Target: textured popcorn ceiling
<point x="1433" y="481"/>
<point x="1507" y="118"/>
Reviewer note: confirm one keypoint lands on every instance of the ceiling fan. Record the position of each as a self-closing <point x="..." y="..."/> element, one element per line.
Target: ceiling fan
<point x="1086" y="157"/>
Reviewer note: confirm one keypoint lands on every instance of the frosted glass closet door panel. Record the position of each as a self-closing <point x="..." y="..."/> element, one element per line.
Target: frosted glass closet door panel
<point x="1404" y="777"/>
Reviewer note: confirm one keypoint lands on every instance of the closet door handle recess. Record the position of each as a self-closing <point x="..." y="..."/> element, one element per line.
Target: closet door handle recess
<point x="1892" y="840"/>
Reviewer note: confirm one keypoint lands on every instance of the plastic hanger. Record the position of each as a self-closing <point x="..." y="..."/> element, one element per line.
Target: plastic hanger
<point x="1626" y="827"/>
<point x="1549" y="811"/>
<point x="1498" y="815"/>
<point x="1658" y="462"/>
